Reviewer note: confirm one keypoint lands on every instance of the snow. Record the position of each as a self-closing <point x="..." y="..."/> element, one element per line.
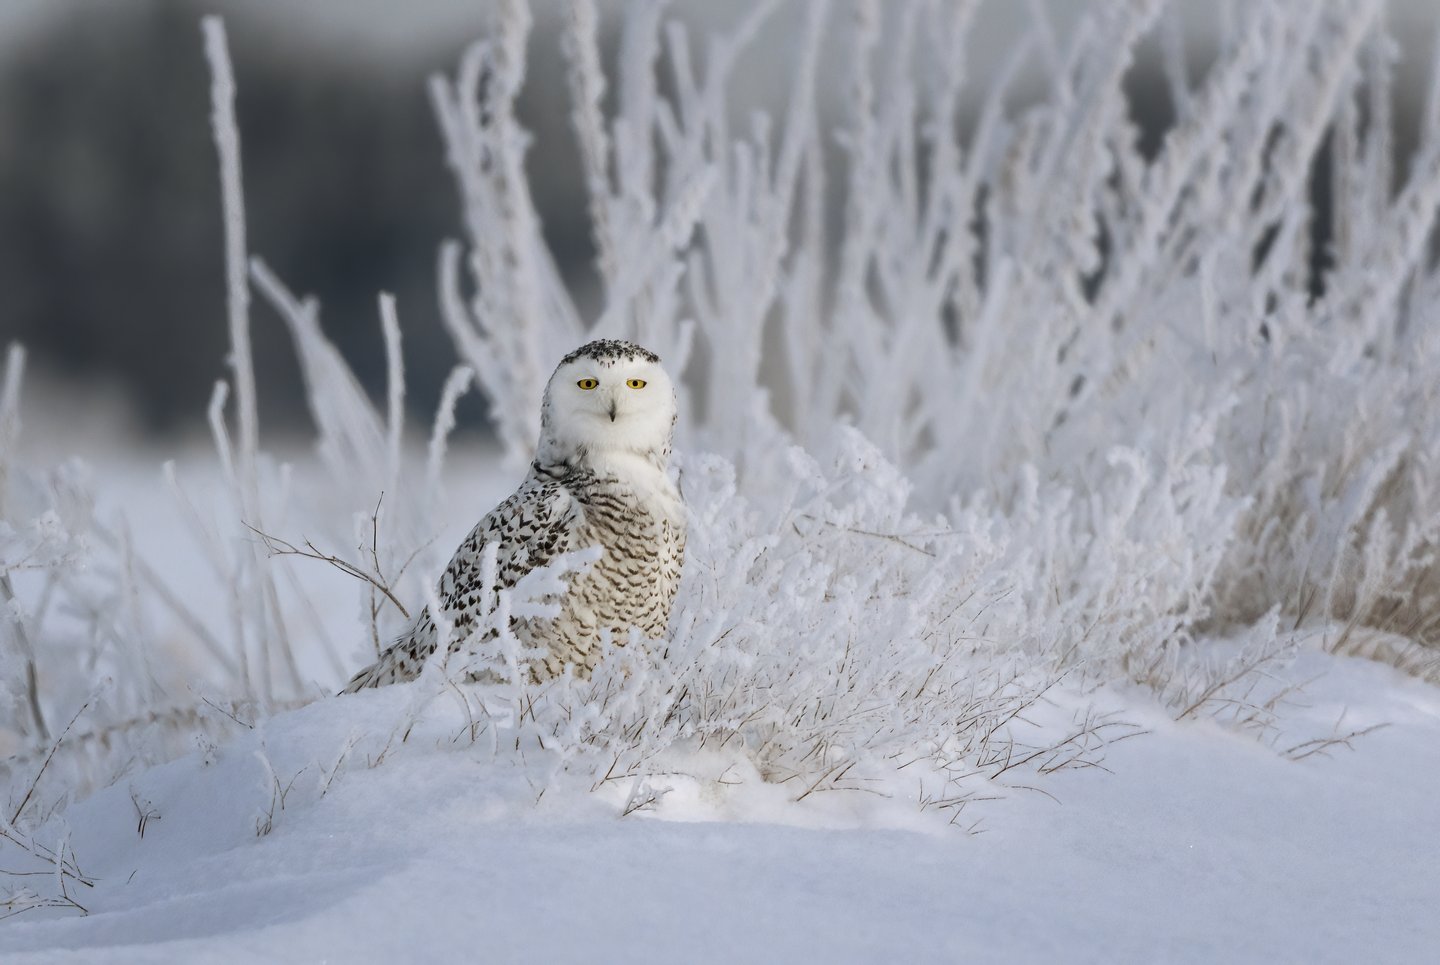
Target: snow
<point x="1033" y="636"/>
<point x="1200" y="845"/>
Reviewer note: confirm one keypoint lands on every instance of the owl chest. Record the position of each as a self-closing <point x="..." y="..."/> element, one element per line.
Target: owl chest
<point x="634" y="579"/>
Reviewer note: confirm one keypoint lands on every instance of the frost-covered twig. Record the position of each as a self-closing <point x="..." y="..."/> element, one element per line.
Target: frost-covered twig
<point x="281" y="547"/>
<point x="20" y="808"/>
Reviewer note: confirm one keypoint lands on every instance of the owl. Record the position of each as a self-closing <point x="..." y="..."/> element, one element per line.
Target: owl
<point x="599" y="479"/>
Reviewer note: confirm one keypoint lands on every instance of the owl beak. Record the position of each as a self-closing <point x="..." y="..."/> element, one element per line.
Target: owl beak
<point x="612" y="410"/>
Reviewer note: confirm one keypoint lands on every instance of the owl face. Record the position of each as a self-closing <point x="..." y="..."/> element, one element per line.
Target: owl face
<point x="608" y="397"/>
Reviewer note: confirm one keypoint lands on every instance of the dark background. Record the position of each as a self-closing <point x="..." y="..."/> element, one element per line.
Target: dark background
<point x="111" y="262"/>
<point x="110" y="236"/>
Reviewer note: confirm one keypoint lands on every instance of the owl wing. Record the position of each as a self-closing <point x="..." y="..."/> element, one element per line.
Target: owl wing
<point x="530" y="529"/>
<point x="537" y="523"/>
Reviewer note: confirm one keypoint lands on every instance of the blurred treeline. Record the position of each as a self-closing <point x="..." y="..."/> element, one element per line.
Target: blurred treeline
<point x="110" y="234"/>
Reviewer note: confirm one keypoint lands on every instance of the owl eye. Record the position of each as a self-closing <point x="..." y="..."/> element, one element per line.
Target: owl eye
<point x="635" y="383"/>
<point x="588" y="384"/>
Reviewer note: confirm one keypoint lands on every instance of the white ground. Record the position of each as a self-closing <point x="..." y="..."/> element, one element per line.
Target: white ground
<point x="1202" y="845"/>
<point x="1197" y="844"/>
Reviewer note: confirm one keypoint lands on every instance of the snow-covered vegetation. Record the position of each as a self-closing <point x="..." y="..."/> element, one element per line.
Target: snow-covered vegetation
<point x="989" y="420"/>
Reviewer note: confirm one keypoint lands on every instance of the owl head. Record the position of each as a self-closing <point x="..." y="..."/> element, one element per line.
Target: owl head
<point x="607" y="399"/>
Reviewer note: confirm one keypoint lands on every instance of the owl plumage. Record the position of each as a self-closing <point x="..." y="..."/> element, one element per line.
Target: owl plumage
<point x="599" y="479"/>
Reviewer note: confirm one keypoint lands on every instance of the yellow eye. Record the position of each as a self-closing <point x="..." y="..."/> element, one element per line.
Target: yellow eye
<point x="635" y="383"/>
<point x="588" y="384"/>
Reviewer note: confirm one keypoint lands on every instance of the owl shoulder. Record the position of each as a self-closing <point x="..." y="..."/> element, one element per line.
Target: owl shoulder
<point x="529" y="527"/>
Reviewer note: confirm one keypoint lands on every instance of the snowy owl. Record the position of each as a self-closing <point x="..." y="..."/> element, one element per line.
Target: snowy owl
<point x="599" y="479"/>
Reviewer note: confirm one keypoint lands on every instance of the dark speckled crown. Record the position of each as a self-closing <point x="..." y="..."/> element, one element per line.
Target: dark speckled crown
<point x="611" y="350"/>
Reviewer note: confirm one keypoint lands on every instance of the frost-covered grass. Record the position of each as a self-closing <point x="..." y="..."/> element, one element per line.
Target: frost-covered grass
<point x="1038" y="439"/>
<point x="1200" y="846"/>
